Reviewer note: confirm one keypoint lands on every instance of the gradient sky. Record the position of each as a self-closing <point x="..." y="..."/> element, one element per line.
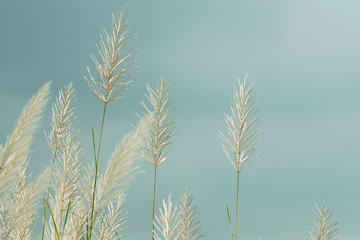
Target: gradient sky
<point x="303" y="57"/>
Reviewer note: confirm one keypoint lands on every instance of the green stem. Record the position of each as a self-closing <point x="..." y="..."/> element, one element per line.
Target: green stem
<point x="228" y="214"/>
<point x="153" y="228"/>
<point x="237" y="205"/>
<point x="96" y="174"/>
<point x="101" y="133"/>
<point x="52" y="216"/>
<point x="48" y="195"/>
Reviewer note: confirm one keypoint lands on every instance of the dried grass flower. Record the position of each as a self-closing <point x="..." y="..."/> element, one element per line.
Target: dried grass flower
<point x="17" y="147"/>
<point x="168" y="223"/>
<point x="162" y="123"/>
<point x="243" y="127"/>
<point x="189" y="214"/>
<point x="115" y="61"/>
<point x="323" y="225"/>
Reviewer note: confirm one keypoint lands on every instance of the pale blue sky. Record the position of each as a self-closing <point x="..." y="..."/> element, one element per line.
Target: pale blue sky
<point x="303" y="57"/>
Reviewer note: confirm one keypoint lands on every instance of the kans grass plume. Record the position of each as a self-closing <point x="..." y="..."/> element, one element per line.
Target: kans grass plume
<point x="67" y="190"/>
<point x="67" y="156"/>
<point x="161" y="129"/>
<point x="77" y="205"/>
<point x="168" y="223"/>
<point x="243" y="127"/>
<point x="242" y="134"/>
<point x="114" y="71"/>
<point x="23" y="206"/>
<point x="179" y="221"/>
<point x="71" y="205"/>
<point x="162" y="123"/>
<point x="112" y="227"/>
<point x="115" y="61"/>
<point x="63" y="119"/>
<point x="17" y="147"/>
<point x="19" y="197"/>
<point x="323" y="225"/>
<point x="189" y="214"/>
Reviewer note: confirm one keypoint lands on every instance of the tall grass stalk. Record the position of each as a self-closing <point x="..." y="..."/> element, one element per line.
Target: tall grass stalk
<point x="113" y="71"/>
<point x="162" y="128"/>
<point x="96" y="172"/>
<point x="237" y="203"/>
<point x="242" y="134"/>
<point x="154" y="201"/>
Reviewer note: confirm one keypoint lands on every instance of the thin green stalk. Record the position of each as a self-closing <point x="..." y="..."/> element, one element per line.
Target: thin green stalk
<point x="237" y="205"/>
<point x="48" y="194"/>
<point x="67" y="214"/>
<point x="93" y="138"/>
<point x="87" y="228"/>
<point x="228" y="214"/>
<point x="101" y="133"/>
<point x="52" y="216"/>
<point x="96" y="173"/>
<point x="153" y="228"/>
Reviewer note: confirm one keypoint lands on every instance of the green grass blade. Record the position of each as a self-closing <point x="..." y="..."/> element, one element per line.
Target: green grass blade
<point x="45" y="213"/>
<point x="93" y="138"/>
<point x="52" y="216"/>
<point x="228" y="214"/>
<point x="87" y="228"/>
<point x="67" y="213"/>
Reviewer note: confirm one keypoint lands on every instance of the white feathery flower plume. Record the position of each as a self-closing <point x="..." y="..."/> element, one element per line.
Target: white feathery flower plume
<point x="67" y="176"/>
<point x="67" y="157"/>
<point x="189" y="213"/>
<point x="115" y="64"/>
<point x="323" y="227"/>
<point x="63" y="118"/>
<point x="113" y="224"/>
<point x="243" y="129"/>
<point x="25" y="202"/>
<point x="162" y="123"/>
<point x="169" y="222"/>
<point x="17" y="147"/>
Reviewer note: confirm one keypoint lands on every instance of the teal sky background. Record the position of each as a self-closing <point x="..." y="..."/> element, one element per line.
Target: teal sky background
<point x="303" y="57"/>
